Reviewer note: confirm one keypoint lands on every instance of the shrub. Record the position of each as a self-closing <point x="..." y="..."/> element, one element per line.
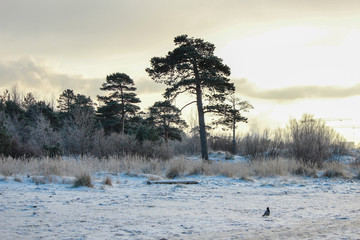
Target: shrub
<point x="311" y="140"/>
<point x="189" y="145"/>
<point x="220" y="143"/>
<point x="256" y="145"/>
<point x="83" y="180"/>
<point x="150" y="150"/>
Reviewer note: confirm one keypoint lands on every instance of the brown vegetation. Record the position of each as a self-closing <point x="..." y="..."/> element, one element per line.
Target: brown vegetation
<point x="108" y="181"/>
<point x="46" y="170"/>
<point x="83" y="180"/>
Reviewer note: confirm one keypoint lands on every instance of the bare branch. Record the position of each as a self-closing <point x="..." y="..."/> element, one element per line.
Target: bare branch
<point x="176" y="94"/>
<point x="187" y="105"/>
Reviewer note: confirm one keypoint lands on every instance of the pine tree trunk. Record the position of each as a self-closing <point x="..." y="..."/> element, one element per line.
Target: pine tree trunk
<point x="233" y="140"/>
<point x="203" y="140"/>
<point x="122" y="112"/>
<point x="123" y="123"/>
<point x="202" y="126"/>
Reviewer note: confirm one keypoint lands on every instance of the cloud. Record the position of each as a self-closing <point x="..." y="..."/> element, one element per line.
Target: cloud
<point x="244" y="87"/>
<point x="37" y="77"/>
<point x="146" y="85"/>
<point x="101" y="28"/>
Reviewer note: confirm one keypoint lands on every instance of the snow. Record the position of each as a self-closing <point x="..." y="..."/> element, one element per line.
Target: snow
<point x="216" y="208"/>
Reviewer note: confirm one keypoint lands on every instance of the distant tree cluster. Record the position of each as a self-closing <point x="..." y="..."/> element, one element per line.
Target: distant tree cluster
<point x="29" y="127"/>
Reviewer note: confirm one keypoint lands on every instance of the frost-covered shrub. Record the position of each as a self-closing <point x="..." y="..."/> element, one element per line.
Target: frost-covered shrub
<point x="311" y="140"/>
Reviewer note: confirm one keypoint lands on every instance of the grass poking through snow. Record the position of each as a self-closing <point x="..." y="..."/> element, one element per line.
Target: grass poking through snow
<point x="50" y="169"/>
<point x="84" y="180"/>
<point x="108" y="181"/>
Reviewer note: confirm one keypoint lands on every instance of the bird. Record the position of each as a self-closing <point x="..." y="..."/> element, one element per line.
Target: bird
<point x="267" y="212"/>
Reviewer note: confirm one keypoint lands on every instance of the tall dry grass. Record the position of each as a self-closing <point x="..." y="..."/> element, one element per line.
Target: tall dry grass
<point x="176" y="167"/>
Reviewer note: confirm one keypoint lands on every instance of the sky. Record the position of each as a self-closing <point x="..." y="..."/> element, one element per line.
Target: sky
<point x="287" y="57"/>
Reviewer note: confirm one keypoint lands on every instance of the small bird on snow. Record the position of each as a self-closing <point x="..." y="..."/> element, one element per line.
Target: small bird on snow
<point x="267" y="212"/>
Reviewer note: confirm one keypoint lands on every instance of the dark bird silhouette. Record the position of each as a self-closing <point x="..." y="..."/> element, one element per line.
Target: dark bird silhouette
<point x="267" y="212"/>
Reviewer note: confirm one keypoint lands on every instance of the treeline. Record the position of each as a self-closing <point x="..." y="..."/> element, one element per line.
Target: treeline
<point x="77" y="126"/>
<point x="30" y="127"/>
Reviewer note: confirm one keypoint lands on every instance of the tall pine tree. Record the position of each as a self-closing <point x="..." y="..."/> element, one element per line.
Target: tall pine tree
<point x="66" y="100"/>
<point x="120" y="102"/>
<point x="193" y="68"/>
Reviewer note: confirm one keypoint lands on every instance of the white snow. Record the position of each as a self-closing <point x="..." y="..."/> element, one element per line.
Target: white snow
<point x="216" y="208"/>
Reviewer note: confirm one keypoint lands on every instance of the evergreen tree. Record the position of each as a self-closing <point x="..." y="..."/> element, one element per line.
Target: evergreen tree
<point x="120" y="103"/>
<point x="108" y="115"/>
<point x="29" y="100"/>
<point x="166" y="117"/>
<point x="66" y="100"/>
<point x="229" y="114"/>
<point x="193" y="68"/>
<point x="5" y="140"/>
<point x="84" y="103"/>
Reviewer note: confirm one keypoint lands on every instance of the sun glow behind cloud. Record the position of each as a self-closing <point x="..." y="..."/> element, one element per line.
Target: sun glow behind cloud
<point x="299" y="69"/>
<point x="294" y="56"/>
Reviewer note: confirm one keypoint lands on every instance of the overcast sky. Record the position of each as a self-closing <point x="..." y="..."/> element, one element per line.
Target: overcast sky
<point x="287" y="57"/>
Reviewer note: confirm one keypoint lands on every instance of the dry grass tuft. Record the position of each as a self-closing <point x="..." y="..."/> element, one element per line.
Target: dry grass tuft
<point x="108" y="181"/>
<point x="45" y="179"/>
<point x="357" y="176"/>
<point x="270" y="167"/>
<point x="175" y="168"/>
<point x="38" y="180"/>
<point x="303" y="169"/>
<point x="17" y="179"/>
<point x="83" y="180"/>
<point x="334" y="170"/>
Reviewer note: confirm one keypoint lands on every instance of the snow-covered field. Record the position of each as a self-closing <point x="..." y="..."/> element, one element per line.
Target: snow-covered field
<point x="216" y="208"/>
